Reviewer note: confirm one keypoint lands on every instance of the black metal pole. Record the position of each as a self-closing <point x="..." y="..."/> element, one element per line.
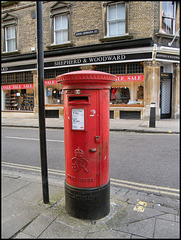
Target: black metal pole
<point x="42" y="130"/>
<point x="152" y="115"/>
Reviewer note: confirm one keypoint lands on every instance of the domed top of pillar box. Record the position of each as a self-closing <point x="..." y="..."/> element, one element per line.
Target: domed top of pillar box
<point x="86" y="79"/>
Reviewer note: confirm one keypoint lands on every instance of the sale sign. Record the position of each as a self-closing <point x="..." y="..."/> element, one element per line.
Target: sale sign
<point x="51" y="82"/>
<point x="129" y="78"/>
<point x="17" y="86"/>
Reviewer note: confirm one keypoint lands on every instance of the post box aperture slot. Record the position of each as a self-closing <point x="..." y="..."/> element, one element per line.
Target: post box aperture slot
<point x="79" y="99"/>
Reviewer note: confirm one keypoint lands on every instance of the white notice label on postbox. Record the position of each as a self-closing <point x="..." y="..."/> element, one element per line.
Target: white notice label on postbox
<point x="77" y="119"/>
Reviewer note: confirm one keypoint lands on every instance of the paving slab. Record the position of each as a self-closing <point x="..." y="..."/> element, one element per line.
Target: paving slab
<point x="59" y="229"/>
<point x="143" y="228"/>
<point x="108" y="234"/>
<point x="40" y="224"/>
<point x="25" y="216"/>
<point x="12" y="184"/>
<point x="167" y="229"/>
<point x="16" y="215"/>
<point x="127" y="215"/>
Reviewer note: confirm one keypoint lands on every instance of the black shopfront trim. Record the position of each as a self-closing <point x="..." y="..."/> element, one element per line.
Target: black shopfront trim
<point x="136" y="43"/>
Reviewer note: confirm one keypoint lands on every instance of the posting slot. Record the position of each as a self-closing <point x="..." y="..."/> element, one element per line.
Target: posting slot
<point x="78" y="99"/>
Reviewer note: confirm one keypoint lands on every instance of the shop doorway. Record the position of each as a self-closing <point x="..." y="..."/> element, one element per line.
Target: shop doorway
<point x="165" y="95"/>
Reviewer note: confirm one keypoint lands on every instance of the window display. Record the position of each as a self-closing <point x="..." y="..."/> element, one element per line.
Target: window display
<point x="11" y="101"/>
<point x="19" y="100"/>
<point x="27" y="102"/>
<point x="54" y="95"/>
<point x="140" y="92"/>
<point x="128" y="88"/>
<point x="130" y="94"/>
<point x="120" y="95"/>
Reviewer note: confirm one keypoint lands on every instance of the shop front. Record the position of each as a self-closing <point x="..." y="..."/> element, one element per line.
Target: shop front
<point x="127" y="97"/>
<point x="140" y="80"/>
<point x="18" y="97"/>
<point x="53" y="99"/>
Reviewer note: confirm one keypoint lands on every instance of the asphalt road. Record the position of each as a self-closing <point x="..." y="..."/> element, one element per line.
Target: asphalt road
<point x="141" y="158"/>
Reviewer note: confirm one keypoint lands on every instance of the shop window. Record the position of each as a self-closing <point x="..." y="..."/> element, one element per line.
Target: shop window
<point x="134" y="68"/>
<point x="21" y="99"/>
<point x="54" y="95"/>
<point x="19" y="77"/>
<point x="168" y="17"/>
<point x="49" y="74"/>
<point x="122" y="68"/>
<point x="131" y="95"/>
<point x="120" y="95"/>
<point x="61" y="71"/>
<point x="140" y="92"/>
<point x="27" y="100"/>
<point x="66" y="70"/>
<point x="11" y="77"/>
<point x="73" y="69"/>
<point x="23" y="91"/>
<point x="116" y="19"/>
<point x="102" y="68"/>
<point x="28" y="77"/>
<point x="118" y="69"/>
<point x="3" y="78"/>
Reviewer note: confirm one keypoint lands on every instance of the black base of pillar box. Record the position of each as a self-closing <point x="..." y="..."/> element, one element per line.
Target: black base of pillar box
<point x="87" y="203"/>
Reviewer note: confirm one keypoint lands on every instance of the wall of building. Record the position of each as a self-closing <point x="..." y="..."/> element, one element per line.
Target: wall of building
<point x="142" y="18"/>
<point x="141" y="21"/>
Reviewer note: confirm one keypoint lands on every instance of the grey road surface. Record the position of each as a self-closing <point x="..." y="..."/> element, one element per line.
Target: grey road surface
<point x="142" y="158"/>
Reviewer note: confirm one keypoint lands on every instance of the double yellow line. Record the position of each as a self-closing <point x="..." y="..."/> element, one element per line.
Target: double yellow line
<point x="146" y="187"/>
<point x="116" y="182"/>
<point x="31" y="168"/>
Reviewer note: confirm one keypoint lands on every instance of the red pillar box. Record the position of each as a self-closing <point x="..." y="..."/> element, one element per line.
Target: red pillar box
<point x="86" y="131"/>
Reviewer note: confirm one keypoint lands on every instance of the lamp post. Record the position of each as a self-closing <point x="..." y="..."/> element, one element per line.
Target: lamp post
<point x="42" y="130"/>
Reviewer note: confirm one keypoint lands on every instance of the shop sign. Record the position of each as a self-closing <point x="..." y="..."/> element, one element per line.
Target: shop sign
<point x="50" y="82"/>
<point x="90" y="60"/>
<point x="168" y="57"/>
<point x="4" y="69"/>
<point x="130" y="78"/>
<point x="17" y="86"/>
<point x="86" y="60"/>
<point x="165" y="76"/>
<point x="102" y="59"/>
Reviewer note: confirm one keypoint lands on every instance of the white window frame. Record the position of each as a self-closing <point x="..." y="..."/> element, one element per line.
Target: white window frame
<point x="168" y="17"/>
<point x="116" y="20"/>
<point x="61" y="30"/>
<point x="8" y="40"/>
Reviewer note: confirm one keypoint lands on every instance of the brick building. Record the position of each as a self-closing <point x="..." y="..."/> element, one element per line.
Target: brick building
<point x="138" y="41"/>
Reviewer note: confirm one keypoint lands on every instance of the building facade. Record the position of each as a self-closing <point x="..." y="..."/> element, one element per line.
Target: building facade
<point x="138" y="41"/>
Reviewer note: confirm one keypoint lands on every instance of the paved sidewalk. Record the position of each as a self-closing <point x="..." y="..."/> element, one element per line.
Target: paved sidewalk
<point x="133" y="214"/>
<point x="161" y="126"/>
